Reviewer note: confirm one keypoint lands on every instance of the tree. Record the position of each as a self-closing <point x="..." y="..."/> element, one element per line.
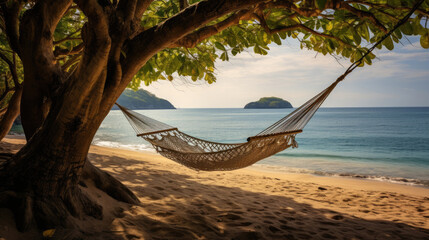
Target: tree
<point x="10" y="86"/>
<point x="78" y="56"/>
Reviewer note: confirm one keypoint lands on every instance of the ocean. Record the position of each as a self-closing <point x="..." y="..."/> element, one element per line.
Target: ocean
<point x="385" y="144"/>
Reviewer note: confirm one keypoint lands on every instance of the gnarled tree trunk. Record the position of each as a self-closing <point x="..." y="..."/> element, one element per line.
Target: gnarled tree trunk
<point x="45" y="173"/>
<point x="61" y="112"/>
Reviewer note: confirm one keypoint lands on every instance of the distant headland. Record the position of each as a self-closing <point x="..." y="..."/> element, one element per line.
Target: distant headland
<point x="269" y="102"/>
<point x="142" y="99"/>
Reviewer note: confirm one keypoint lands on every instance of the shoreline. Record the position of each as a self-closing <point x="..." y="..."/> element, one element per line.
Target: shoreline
<point x="419" y="183"/>
<point x="352" y="169"/>
<point x="334" y="181"/>
<point x="341" y="181"/>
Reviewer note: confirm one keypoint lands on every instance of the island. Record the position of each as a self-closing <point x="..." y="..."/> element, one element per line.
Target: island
<point x="142" y="99"/>
<point x="269" y="102"/>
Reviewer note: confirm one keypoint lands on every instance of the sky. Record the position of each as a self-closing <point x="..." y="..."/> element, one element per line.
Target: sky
<point x="398" y="78"/>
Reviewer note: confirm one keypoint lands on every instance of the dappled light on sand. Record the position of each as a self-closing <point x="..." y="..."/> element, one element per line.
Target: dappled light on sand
<point x="179" y="203"/>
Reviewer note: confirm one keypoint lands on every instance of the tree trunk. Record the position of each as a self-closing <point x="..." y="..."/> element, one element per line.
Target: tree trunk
<point x="44" y="175"/>
<point x="61" y="114"/>
<point x="11" y="114"/>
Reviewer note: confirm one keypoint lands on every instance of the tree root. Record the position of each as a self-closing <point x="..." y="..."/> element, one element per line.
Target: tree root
<point x="108" y="184"/>
<point x="52" y="212"/>
<point x="49" y="212"/>
<point x="4" y="158"/>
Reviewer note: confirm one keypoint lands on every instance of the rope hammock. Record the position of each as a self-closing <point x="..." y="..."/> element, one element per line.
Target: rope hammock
<point x="205" y="155"/>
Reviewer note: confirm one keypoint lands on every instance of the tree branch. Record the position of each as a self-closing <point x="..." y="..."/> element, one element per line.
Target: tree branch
<point x="12" y="69"/>
<point x="344" y="5"/>
<point x="66" y="52"/>
<point x="97" y="43"/>
<point x="152" y="40"/>
<point x="306" y="12"/>
<point x="183" y="4"/>
<point x="363" y="14"/>
<point x="192" y="39"/>
<point x="73" y="60"/>
<point x="68" y="37"/>
<point x="296" y="27"/>
<point x="387" y="6"/>
<point x="141" y="7"/>
<point x="11" y="18"/>
<point x="127" y="9"/>
<point x="2" y="111"/>
<point x="7" y="89"/>
<point x="11" y="112"/>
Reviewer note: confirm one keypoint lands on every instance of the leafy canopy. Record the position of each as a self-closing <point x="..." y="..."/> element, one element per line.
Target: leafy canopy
<point x="8" y="62"/>
<point x="344" y="31"/>
<point x="340" y="28"/>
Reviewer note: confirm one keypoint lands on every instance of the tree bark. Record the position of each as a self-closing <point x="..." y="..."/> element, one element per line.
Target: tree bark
<point x="11" y="114"/>
<point x="45" y="173"/>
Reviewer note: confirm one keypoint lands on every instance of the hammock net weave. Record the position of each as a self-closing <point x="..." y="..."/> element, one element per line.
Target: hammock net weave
<point x="205" y="155"/>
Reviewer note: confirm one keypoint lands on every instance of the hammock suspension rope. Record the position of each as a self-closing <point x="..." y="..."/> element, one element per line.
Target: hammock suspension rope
<point x="205" y="155"/>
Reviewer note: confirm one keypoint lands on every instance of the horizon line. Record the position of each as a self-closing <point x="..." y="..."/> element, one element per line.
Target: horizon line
<point x="275" y="108"/>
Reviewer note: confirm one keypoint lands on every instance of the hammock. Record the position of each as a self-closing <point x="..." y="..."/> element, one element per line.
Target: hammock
<point x="204" y="155"/>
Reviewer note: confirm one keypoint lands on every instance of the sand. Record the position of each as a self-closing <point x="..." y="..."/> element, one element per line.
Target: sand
<point x="179" y="203"/>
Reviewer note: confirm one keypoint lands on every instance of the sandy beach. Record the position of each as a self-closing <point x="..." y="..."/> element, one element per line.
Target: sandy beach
<point x="179" y="203"/>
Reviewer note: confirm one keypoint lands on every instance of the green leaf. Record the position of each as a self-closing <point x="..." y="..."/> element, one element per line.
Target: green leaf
<point x="224" y="56"/>
<point x="257" y="49"/>
<point x="406" y="28"/>
<point x="260" y="50"/>
<point x="235" y="51"/>
<point x="424" y="41"/>
<point x="363" y="30"/>
<point x="321" y="4"/>
<point x="356" y="37"/>
<point x="394" y="2"/>
<point x="277" y="39"/>
<point x="219" y="45"/>
<point x="388" y="43"/>
<point x="282" y="35"/>
<point x="329" y="26"/>
<point x="367" y="59"/>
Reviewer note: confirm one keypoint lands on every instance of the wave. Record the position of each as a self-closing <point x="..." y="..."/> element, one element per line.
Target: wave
<point x="135" y="147"/>
<point x="325" y="156"/>
<point x="16" y="133"/>
<point x="398" y="180"/>
<point x="408" y="159"/>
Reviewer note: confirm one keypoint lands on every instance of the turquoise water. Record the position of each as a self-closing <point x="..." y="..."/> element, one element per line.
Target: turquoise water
<point x="389" y="144"/>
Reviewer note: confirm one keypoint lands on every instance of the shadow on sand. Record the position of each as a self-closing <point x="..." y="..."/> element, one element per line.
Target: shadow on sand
<point x="179" y="207"/>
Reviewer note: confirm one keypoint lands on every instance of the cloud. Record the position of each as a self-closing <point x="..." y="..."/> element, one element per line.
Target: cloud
<point x="296" y="75"/>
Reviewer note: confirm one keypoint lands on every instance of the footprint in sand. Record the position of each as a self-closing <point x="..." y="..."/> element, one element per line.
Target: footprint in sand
<point x="239" y="224"/>
<point x="163" y="214"/>
<point x="247" y="236"/>
<point x="231" y="216"/>
<point x="131" y="237"/>
<point x="337" y="217"/>
<point x="328" y="236"/>
<point x="273" y="229"/>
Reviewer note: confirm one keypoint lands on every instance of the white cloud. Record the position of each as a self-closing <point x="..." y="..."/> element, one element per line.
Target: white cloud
<point x="297" y="75"/>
